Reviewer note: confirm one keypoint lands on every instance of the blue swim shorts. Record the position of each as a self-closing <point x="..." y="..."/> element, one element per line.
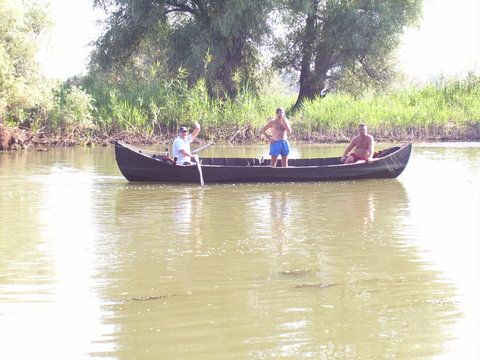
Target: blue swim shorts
<point x="280" y="147"/>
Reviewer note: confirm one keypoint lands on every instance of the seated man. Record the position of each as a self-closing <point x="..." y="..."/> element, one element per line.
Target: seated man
<point x="181" y="145"/>
<point x="362" y="145"/>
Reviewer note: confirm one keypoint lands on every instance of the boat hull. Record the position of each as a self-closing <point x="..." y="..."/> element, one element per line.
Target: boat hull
<point x="143" y="166"/>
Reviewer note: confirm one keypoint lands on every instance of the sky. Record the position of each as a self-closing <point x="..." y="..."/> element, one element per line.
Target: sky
<point x="65" y="51"/>
<point x="446" y="42"/>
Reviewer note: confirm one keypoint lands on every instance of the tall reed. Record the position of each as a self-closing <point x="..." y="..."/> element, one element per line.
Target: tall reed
<point x="163" y="106"/>
<point x="453" y="103"/>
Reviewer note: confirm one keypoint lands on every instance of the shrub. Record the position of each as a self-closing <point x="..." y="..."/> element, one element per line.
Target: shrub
<point x="73" y="109"/>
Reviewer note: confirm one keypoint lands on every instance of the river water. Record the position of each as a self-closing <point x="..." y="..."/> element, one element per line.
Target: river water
<point x="94" y="267"/>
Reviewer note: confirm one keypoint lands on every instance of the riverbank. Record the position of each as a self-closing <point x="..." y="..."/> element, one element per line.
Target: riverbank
<point x="41" y="140"/>
<point x="140" y="113"/>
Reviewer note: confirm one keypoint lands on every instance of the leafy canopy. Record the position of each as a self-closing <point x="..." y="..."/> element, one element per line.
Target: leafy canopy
<point x="214" y="39"/>
<point x="329" y="42"/>
<point x="21" y="86"/>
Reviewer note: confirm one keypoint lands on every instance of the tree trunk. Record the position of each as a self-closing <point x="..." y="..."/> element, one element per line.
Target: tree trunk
<point x="226" y="74"/>
<point x="306" y="85"/>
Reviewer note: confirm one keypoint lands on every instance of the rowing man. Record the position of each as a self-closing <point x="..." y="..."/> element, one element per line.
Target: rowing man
<point x="362" y="145"/>
<point x="279" y="145"/>
<point x="181" y="145"/>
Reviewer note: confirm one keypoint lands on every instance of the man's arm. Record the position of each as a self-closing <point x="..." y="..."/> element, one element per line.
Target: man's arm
<point x="349" y="148"/>
<point x="286" y="124"/>
<point x="265" y="128"/>
<point x="195" y="132"/>
<point x="371" y="146"/>
<point x="185" y="153"/>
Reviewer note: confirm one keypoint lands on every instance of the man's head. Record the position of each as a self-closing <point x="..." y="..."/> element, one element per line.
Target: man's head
<point x="280" y="112"/>
<point x="362" y="129"/>
<point x="182" y="131"/>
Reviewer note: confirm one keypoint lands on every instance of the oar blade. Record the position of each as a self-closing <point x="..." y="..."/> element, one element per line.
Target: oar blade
<point x="199" y="167"/>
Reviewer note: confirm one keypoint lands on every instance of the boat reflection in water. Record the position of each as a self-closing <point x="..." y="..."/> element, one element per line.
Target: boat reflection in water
<point x="273" y="270"/>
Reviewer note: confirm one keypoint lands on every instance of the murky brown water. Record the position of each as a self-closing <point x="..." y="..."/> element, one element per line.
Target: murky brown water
<point x="94" y="267"/>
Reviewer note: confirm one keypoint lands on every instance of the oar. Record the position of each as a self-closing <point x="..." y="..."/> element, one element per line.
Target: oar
<point x="199" y="167"/>
<point x="202" y="147"/>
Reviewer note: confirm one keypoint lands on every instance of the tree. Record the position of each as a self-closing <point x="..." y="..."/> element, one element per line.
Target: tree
<point x="21" y="86"/>
<point x="215" y="39"/>
<point x="330" y="40"/>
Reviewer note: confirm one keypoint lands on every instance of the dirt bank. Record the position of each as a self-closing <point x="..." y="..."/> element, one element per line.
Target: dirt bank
<point x="6" y="139"/>
<point x="42" y="140"/>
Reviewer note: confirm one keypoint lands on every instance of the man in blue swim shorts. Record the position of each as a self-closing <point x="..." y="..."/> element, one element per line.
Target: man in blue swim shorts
<point x="279" y="145"/>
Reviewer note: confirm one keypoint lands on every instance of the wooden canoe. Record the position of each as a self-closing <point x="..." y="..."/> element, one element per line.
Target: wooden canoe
<point x="146" y="166"/>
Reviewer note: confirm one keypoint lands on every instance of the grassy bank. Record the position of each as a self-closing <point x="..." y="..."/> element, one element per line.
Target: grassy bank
<point x="446" y="111"/>
<point x="151" y="107"/>
<point x="151" y="111"/>
<point x="449" y="110"/>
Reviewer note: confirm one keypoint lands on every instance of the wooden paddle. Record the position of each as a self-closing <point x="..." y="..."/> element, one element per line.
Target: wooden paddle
<point x="202" y="147"/>
<point x="199" y="167"/>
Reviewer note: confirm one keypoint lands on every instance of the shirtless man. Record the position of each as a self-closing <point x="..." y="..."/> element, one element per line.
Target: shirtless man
<point x="279" y="145"/>
<point x="363" y="144"/>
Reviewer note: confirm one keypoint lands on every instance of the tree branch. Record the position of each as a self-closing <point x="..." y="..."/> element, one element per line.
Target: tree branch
<point x="179" y="7"/>
<point x="369" y="72"/>
<point x="200" y="6"/>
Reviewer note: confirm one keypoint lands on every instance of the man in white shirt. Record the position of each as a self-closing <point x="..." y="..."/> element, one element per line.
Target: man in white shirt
<point x="181" y="145"/>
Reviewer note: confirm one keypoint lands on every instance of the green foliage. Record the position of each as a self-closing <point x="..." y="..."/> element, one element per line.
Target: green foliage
<point x="73" y="109"/>
<point x="187" y="53"/>
<point x="23" y="93"/>
<point x="162" y="106"/>
<point x="26" y="98"/>
<point x="337" y="44"/>
<point x="448" y="103"/>
<point x="212" y="39"/>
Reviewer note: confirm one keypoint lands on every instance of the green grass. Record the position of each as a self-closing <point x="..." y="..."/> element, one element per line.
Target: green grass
<point x="454" y="103"/>
<point x="165" y="106"/>
<point x="160" y="107"/>
<point x="169" y="105"/>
